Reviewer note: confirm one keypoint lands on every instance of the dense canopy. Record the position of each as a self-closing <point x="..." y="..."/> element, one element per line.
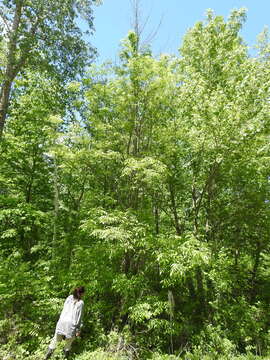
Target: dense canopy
<point x="147" y="182"/>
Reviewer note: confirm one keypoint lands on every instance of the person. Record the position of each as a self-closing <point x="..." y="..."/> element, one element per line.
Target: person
<point x="69" y="323"/>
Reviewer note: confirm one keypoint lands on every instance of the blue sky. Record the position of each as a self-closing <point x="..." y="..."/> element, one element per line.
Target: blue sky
<point x="113" y="19"/>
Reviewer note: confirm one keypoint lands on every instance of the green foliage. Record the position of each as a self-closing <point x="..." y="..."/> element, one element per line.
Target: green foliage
<point x="148" y="182"/>
<point x="63" y="40"/>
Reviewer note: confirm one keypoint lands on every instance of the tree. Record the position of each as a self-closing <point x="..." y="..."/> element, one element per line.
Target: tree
<point x="157" y="199"/>
<point x="42" y="34"/>
<point x="181" y="141"/>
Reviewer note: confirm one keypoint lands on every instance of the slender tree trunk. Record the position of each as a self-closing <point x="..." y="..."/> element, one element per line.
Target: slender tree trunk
<point x="195" y="209"/>
<point x="56" y="210"/>
<point x="255" y="272"/>
<point x="28" y="195"/>
<point x="11" y="68"/>
<point x="156" y="212"/>
<point x="174" y="209"/>
<point x="171" y="309"/>
<point x="200" y="291"/>
<point x="4" y="100"/>
<point x="198" y="196"/>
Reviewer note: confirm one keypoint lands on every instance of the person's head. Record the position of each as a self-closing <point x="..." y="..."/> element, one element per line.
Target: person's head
<point x="78" y="292"/>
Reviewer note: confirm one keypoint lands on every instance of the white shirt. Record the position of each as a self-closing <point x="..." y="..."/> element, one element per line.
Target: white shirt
<point x="70" y="320"/>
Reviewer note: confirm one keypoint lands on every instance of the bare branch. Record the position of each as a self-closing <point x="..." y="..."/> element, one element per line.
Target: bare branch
<point x="154" y="33"/>
<point x="139" y="23"/>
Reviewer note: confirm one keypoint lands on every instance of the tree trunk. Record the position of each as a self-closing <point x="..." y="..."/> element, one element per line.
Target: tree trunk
<point x="11" y="68"/>
<point x="174" y="209"/>
<point x="4" y="100"/>
<point x="156" y="212"/>
<point x="56" y="210"/>
<point x="255" y="272"/>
